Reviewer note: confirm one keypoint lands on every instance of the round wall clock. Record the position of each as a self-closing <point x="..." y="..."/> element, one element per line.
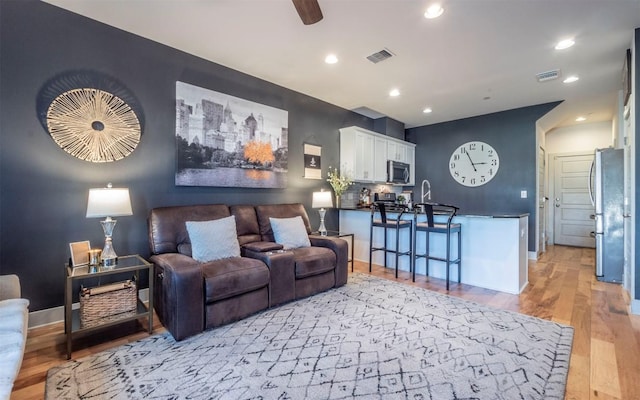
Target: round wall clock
<point x="474" y="164"/>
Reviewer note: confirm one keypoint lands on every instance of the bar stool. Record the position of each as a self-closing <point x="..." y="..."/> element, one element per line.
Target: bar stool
<point x="396" y="224"/>
<point x="429" y="226"/>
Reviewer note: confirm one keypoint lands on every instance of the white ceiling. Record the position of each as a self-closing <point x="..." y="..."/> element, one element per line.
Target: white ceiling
<point x="476" y="49"/>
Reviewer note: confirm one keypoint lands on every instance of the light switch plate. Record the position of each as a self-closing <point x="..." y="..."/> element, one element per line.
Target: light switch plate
<point x="523" y="194"/>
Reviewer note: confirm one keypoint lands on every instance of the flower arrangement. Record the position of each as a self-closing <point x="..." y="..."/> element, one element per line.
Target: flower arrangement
<point x="338" y="182"/>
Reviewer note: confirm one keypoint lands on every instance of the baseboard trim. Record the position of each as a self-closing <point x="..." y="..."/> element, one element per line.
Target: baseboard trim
<point x="635" y="307"/>
<point x="54" y="315"/>
<point x="533" y="255"/>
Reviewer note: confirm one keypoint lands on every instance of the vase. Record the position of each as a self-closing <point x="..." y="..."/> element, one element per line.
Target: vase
<point x="337" y="201"/>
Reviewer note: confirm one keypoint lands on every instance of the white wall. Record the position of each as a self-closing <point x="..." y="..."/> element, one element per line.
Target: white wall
<point x="579" y="138"/>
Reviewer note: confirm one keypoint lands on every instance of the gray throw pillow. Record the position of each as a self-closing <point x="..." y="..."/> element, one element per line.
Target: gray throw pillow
<point x="213" y="240"/>
<point x="290" y="232"/>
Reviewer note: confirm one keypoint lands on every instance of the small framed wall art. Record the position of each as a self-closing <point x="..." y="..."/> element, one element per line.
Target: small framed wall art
<point x="312" y="164"/>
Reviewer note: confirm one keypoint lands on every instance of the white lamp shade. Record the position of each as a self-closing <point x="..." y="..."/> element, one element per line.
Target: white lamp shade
<point x="322" y="200"/>
<point x="108" y="202"/>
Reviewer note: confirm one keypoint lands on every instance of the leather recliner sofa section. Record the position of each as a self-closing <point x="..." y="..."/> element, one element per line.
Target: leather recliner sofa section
<point x="191" y="296"/>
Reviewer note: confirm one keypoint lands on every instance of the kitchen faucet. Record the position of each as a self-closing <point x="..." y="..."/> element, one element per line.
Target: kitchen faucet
<point x="428" y="193"/>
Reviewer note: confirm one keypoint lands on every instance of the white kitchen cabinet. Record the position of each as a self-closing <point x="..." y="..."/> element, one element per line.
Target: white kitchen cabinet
<point x="380" y="166"/>
<point x="364" y="154"/>
<point x="411" y="160"/>
<point x="396" y="151"/>
<point x="356" y="154"/>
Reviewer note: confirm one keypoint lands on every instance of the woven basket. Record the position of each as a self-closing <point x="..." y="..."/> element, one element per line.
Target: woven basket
<point x="103" y="304"/>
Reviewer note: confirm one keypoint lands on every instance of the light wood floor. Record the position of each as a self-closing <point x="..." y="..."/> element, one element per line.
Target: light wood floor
<point x="605" y="360"/>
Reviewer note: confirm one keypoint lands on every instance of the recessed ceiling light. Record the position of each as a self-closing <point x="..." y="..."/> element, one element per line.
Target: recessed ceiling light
<point x="571" y="79"/>
<point x="580" y="119"/>
<point x="331" y="59"/>
<point x="427" y="110"/>
<point x="434" y="11"/>
<point x="394" y="93"/>
<point x="565" y="44"/>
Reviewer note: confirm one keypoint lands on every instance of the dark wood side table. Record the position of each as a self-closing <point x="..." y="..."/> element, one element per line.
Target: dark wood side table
<point x="341" y="235"/>
<point x="126" y="265"/>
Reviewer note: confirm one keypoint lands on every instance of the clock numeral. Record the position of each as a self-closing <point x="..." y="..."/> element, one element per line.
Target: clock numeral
<point x="456" y="157"/>
<point x="494" y="162"/>
<point x="472" y="181"/>
<point x="453" y="165"/>
<point x="463" y="150"/>
<point x="457" y="174"/>
<point x="472" y="146"/>
<point x="490" y="171"/>
<point x="490" y="152"/>
<point x="463" y="179"/>
<point x="482" y="179"/>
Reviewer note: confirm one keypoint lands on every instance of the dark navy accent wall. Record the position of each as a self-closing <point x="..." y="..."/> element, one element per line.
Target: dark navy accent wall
<point x="389" y="127"/>
<point x="44" y="190"/>
<point x="512" y="134"/>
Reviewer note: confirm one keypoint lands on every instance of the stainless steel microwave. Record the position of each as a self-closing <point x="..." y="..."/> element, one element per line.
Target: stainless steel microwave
<point x="397" y="172"/>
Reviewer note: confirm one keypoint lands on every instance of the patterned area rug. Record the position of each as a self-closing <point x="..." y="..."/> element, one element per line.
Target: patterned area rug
<point x="370" y="339"/>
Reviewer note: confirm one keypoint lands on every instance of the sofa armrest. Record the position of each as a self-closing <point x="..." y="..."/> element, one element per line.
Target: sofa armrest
<point x="341" y="248"/>
<point x="9" y="287"/>
<point x="179" y="294"/>
<point x="282" y="279"/>
<point x="262" y="246"/>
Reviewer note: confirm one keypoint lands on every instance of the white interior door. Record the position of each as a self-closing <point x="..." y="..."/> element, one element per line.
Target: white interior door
<point x="628" y="220"/>
<point x="573" y="223"/>
<point x="542" y="203"/>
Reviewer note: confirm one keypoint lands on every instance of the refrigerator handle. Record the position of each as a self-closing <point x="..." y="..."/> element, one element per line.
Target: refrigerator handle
<point x="593" y="164"/>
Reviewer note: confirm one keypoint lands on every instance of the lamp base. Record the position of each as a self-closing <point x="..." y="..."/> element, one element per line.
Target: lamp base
<point x="322" y="229"/>
<point x="109" y="256"/>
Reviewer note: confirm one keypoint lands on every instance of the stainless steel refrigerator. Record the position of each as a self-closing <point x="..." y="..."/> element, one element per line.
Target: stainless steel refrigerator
<point x="606" y="187"/>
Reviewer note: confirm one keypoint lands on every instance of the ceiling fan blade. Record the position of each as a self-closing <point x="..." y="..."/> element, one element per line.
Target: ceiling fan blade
<point x="308" y="10"/>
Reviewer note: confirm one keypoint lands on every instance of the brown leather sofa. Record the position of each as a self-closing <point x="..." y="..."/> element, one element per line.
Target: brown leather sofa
<point x="190" y="296"/>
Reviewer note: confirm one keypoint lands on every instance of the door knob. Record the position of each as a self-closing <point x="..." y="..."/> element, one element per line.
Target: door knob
<point x="557" y="205"/>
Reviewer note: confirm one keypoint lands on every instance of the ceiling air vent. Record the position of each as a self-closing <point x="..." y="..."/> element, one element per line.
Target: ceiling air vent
<point x="548" y="76"/>
<point x="380" y="56"/>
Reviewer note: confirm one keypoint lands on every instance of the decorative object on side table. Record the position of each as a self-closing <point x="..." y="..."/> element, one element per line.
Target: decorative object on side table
<point x="79" y="253"/>
<point x="95" y="257"/>
<point x="107" y="303"/>
<point x="321" y="200"/>
<point x="339" y="183"/>
<point x="108" y="202"/>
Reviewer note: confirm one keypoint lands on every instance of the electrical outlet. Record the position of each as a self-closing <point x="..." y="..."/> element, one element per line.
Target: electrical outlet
<point x="523" y="194"/>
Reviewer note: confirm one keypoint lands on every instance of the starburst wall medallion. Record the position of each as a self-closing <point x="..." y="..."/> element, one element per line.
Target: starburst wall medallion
<point x="93" y="125"/>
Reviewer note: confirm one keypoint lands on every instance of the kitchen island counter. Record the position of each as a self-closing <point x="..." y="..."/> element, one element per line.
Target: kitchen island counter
<point x="494" y="247"/>
<point x="470" y="215"/>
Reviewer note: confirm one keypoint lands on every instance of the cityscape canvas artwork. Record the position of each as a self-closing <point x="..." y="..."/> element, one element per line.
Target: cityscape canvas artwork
<point x="225" y="141"/>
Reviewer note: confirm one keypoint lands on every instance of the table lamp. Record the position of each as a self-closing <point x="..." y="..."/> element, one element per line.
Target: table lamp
<point x="108" y="202"/>
<point x="321" y="200"/>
